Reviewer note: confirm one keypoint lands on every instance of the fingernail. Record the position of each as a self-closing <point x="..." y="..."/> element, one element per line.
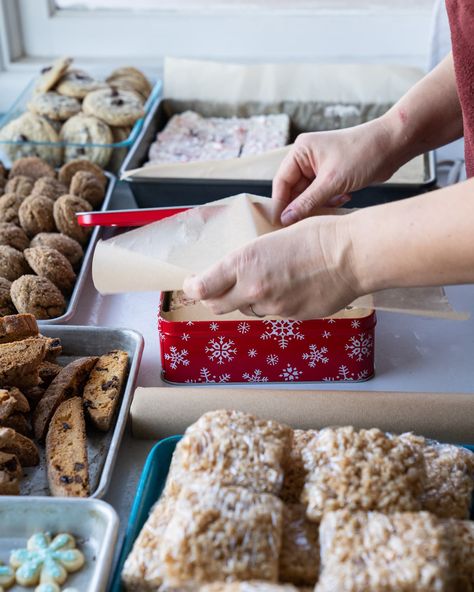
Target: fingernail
<point x="289" y="217"/>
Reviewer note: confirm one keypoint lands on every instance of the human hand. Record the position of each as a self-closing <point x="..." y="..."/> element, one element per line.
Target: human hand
<point x="323" y="167"/>
<point x="300" y="272"/>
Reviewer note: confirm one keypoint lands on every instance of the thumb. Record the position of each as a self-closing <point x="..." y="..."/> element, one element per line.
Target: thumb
<point x="318" y="194"/>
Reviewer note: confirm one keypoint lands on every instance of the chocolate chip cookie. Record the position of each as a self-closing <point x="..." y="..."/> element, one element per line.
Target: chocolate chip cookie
<point x="30" y="128"/>
<point x="51" y="74"/>
<point x="65" y="209"/>
<point x="21" y="185"/>
<point x="87" y="186"/>
<point x="37" y="296"/>
<point x="6" y="304"/>
<point x="115" y="107"/>
<point x="12" y="263"/>
<point x="36" y="215"/>
<point x="54" y="266"/>
<point x="132" y="76"/>
<point x="33" y="167"/>
<point x="68" y="170"/>
<point x="9" y="205"/>
<point x="77" y="83"/>
<point x="66" y="245"/>
<point x="49" y="187"/>
<point x="87" y="129"/>
<point x="13" y="236"/>
<point x="54" y="106"/>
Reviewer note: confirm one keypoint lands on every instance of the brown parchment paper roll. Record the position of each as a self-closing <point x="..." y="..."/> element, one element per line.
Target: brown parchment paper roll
<point x="449" y="417"/>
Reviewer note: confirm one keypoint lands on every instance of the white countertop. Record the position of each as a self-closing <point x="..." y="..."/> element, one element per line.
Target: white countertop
<point x="412" y="354"/>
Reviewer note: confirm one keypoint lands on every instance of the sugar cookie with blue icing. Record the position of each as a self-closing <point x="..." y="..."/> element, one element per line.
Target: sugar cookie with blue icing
<point x="7" y="577"/>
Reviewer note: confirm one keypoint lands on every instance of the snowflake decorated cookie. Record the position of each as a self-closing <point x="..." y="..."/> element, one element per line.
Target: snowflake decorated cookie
<point x="7" y="577"/>
<point x="46" y="561"/>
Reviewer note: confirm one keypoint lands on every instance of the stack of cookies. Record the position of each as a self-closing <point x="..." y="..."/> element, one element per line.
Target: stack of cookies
<point x="41" y="242"/>
<point x="44" y="402"/>
<point x="252" y="505"/>
<point x="76" y="116"/>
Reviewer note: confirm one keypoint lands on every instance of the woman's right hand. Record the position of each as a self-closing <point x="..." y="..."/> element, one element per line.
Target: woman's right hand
<point x="323" y="167"/>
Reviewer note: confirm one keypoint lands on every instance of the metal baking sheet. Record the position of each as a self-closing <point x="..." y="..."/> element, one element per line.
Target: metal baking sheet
<point x="86" y="261"/>
<point x="93" y="522"/>
<point x="78" y="341"/>
<point x="150" y="193"/>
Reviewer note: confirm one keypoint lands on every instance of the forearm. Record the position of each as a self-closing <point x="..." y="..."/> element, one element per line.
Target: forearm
<point x="427" y="117"/>
<point x="422" y="241"/>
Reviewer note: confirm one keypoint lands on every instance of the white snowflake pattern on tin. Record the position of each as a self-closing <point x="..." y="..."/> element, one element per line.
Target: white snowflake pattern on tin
<point x="255" y="377"/>
<point x="252" y="353"/>
<point x="189" y="323"/>
<point x="360" y="346"/>
<point x="283" y="332"/>
<point x="177" y="357"/>
<point x="221" y="350"/>
<point x="213" y="326"/>
<point x="290" y="373"/>
<point x="345" y="374"/>
<point x="185" y="337"/>
<point x="272" y="360"/>
<point x="326" y="334"/>
<point x="331" y="321"/>
<point x="316" y="355"/>
<point x="205" y="375"/>
<point x="355" y="324"/>
<point x="243" y="327"/>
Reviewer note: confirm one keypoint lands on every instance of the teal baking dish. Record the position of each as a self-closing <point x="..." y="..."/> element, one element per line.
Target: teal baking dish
<point x="152" y="482"/>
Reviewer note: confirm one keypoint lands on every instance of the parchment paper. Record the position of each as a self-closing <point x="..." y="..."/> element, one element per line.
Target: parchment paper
<point x="162" y="411"/>
<point x="316" y="97"/>
<point x="159" y="256"/>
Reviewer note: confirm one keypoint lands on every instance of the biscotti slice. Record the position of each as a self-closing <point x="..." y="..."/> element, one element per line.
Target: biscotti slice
<point x="10" y="474"/>
<point x="48" y="372"/>
<point x="66" y="451"/>
<point x="21" y="446"/>
<point x="18" y="422"/>
<point x="68" y="383"/>
<point x="103" y="388"/>
<point x="12" y="400"/>
<point x="52" y="348"/>
<point x="17" y="327"/>
<point x="19" y="362"/>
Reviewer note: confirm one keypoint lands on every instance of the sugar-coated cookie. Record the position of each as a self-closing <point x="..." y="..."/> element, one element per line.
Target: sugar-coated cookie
<point x="37" y="296"/>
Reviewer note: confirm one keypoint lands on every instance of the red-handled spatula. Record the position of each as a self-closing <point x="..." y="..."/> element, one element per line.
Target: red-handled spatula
<point x="125" y="218"/>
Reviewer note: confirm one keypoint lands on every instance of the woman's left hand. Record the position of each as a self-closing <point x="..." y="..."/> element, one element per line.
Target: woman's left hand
<point x="301" y="272"/>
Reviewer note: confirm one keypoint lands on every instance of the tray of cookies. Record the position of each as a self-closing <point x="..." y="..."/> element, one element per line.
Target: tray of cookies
<point x="65" y="395"/>
<point x="67" y="113"/>
<point x="240" y="504"/>
<point x="56" y="544"/>
<point x="45" y="254"/>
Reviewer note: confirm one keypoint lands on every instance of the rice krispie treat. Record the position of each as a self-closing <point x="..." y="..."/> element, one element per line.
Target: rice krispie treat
<point x="299" y="554"/>
<point x="460" y="534"/>
<point x="232" y="448"/>
<point x="252" y="586"/>
<point x="373" y="552"/>
<point x="222" y="534"/>
<point x="449" y="477"/>
<point x="361" y="470"/>
<point x="295" y="473"/>
<point x="266" y="132"/>
<point x="143" y="569"/>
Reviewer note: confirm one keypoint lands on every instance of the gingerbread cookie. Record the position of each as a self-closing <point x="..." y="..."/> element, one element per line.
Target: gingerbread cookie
<point x="66" y="245"/>
<point x="36" y="215"/>
<point x="51" y="74"/>
<point x="13" y="236"/>
<point x="20" y="185"/>
<point x="12" y="263"/>
<point x="9" y="205"/>
<point x="65" y="210"/>
<point x="54" y="106"/>
<point x="30" y="128"/>
<point x="51" y="264"/>
<point x="68" y="170"/>
<point x="33" y="167"/>
<point x="115" y="107"/>
<point x="37" y="296"/>
<point x="6" y="304"/>
<point x="87" y="129"/>
<point x="88" y="186"/>
<point x="77" y="83"/>
<point x="49" y="187"/>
